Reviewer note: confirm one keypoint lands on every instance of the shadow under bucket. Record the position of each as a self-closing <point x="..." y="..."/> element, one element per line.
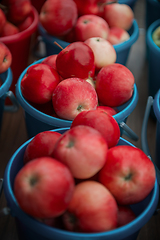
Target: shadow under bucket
<point x="122" y="49"/>
<point x="37" y="121"/>
<point x="6" y="81"/>
<point x="19" y="45"/>
<point x="153" y="54"/>
<point x="31" y="229"/>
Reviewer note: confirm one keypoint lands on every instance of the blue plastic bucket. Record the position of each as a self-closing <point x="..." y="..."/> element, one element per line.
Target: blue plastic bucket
<point x="37" y="121"/>
<point x="153" y="54"/>
<point x="152" y="12"/>
<point x="6" y="79"/>
<point x="131" y="3"/>
<point x="122" y="49"/>
<point x="31" y="229"/>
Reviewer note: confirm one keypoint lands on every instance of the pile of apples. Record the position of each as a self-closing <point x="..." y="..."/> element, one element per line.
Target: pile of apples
<point x="74" y="81"/>
<point x="75" y="181"/>
<point x="15" y="16"/>
<point x="76" y="20"/>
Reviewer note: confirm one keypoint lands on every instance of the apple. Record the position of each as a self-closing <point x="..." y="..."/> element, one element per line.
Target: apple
<point x="91" y="209"/>
<point x="38" y="83"/>
<point x="114" y="85"/>
<point x="41" y="145"/>
<point x="18" y="10"/>
<point x="76" y="60"/>
<point x="101" y="121"/>
<point x="83" y="162"/>
<point x="104" y="52"/>
<point x="58" y="17"/>
<point x="9" y="29"/>
<point x="118" y="15"/>
<point x="107" y="109"/>
<point x="128" y="174"/>
<point x="90" y="7"/>
<point x="72" y="96"/>
<point x="117" y="35"/>
<point x="125" y="215"/>
<point x="25" y="23"/>
<point x="51" y="60"/>
<point x="5" y="57"/>
<point x="156" y="36"/>
<point x="2" y="19"/>
<point x="44" y="187"/>
<point x="89" y="25"/>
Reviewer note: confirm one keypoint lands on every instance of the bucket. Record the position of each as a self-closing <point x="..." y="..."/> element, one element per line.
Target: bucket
<point x="152" y="12"/>
<point x="6" y="80"/>
<point x="37" y="121"/>
<point x="131" y="3"/>
<point x="153" y="55"/>
<point x="122" y="49"/>
<point x="19" y="46"/>
<point x="31" y="229"/>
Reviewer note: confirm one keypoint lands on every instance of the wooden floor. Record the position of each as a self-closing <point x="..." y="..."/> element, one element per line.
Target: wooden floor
<point x="13" y="132"/>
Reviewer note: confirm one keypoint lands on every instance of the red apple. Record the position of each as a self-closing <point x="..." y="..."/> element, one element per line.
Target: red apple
<point x="91" y="209"/>
<point x="107" y="109"/>
<point x="118" y="15"/>
<point x="104" y="52"/>
<point x="101" y="121"/>
<point x="76" y="60"/>
<point x="25" y="23"/>
<point x="41" y="145"/>
<point x="117" y="35"/>
<point x="128" y="173"/>
<point x="88" y="26"/>
<point x="125" y="215"/>
<point x="114" y="85"/>
<point x="44" y="187"/>
<point x="72" y="96"/>
<point x="58" y="17"/>
<point x="51" y="60"/>
<point x="9" y="29"/>
<point x="83" y="162"/>
<point x="2" y="19"/>
<point x="5" y="57"/>
<point x="39" y="83"/>
<point x="18" y="10"/>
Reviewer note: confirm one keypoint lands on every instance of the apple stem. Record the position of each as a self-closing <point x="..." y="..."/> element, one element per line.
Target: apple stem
<point x="58" y="45"/>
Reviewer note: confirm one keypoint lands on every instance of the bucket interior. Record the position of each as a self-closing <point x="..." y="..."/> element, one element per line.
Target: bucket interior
<point x="37" y="231"/>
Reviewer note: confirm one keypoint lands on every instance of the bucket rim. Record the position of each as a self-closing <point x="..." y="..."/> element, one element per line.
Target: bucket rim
<point x="120" y="116"/>
<point x="150" y="41"/>
<point x="7" y="82"/>
<point x="156" y="105"/>
<point x="23" y="34"/>
<point x="126" y="230"/>
<point x="118" y="47"/>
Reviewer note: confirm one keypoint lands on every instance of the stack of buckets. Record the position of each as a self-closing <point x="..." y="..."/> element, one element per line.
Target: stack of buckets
<point x="36" y="121"/>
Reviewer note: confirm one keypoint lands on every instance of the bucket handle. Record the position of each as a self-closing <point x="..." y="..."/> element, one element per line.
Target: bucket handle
<point x="4" y="211"/>
<point x="144" y="141"/>
<point x="128" y="131"/>
<point x="15" y="105"/>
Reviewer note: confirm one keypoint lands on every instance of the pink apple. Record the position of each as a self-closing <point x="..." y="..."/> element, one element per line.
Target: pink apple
<point x="39" y="82"/>
<point x="9" y="29"/>
<point x="118" y="15"/>
<point x="72" y="96"/>
<point x="114" y="85"/>
<point x="5" y="57"/>
<point x="125" y="215"/>
<point x="76" y="60"/>
<point x="44" y="187"/>
<point x="58" y="17"/>
<point x="41" y="145"/>
<point x="91" y="209"/>
<point x="90" y="7"/>
<point x="83" y="162"/>
<point x="2" y="19"/>
<point x="88" y="26"/>
<point x="107" y="109"/>
<point x="101" y="121"/>
<point x="104" y="52"/>
<point x="117" y="35"/>
<point x="128" y="174"/>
